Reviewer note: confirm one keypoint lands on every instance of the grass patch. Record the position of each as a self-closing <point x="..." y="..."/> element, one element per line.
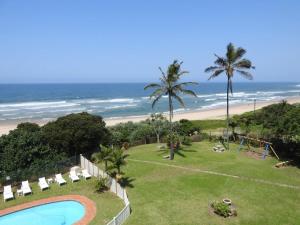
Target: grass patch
<point x="209" y="124"/>
<point x="166" y="195"/>
<point x="108" y="205"/>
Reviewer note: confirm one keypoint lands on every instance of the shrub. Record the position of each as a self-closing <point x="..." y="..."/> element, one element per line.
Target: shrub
<point x="125" y="146"/>
<point x="175" y="138"/>
<point x="101" y="184"/>
<point x="186" y="140"/>
<point x="221" y="209"/>
<point x="76" y="134"/>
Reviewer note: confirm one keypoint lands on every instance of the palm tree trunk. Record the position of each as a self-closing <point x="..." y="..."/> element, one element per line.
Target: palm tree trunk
<point x="171" y="129"/>
<point x="227" y="113"/>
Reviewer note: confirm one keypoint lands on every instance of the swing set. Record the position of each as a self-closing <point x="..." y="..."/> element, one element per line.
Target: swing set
<point x="264" y="145"/>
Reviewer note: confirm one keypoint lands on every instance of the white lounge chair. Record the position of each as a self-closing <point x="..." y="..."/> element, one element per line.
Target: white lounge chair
<point x="59" y="179"/>
<point x="86" y="174"/>
<point x="73" y="176"/>
<point x="7" y="193"/>
<point x="43" y="183"/>
<point x="26" y="188"/>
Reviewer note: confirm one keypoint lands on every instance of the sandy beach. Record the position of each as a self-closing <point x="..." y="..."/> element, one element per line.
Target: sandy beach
<point x="215" y="113"/>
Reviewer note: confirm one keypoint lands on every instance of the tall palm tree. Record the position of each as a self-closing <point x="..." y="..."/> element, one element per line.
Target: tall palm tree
<point x="171" y="87"/>
<point x="232" y="63"/>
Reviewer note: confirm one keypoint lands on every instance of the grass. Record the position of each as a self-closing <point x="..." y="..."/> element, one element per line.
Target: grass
<point x="160" y="194"/>
<point x="108" y="205"/>
<point x="209" y="124"/>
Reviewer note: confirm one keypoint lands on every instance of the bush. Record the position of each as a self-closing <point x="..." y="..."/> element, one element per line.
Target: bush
<point x="221" y="209"/>
<point x="101" y="184"/>
<point x="175" y="138"/>
<point x="125" y="146"/>
<point x="75" y="134"/>
<point x="186" y="140"/>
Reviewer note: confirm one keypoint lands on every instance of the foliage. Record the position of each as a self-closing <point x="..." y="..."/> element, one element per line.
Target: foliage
<point x="117" y="160"/>
<point x="143" y="132"/>
<point x="125" y="146"/>
<point x="232" y="63"/>
<point x="158" y="123"/>
<point x="104" y="155"/>
<point x="174" y="139"/>
<point x="187" y="127"/>
<point x="172" y="88"/>
<point x="121" y="133"/>
<point x="101" y="184"/>
<point x="186" y="140"/>
<point x="76" y="134"/>
<point x="221" y="209"/>
<point x="278" y="123"/>
<point x="25" y="148"/>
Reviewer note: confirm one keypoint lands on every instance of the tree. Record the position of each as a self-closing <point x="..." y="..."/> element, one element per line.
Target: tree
<point x="171" y="87"/>
<point x="232" y="63"/>
<point x="117" y="160"/>
<point x="23" y="150"/>
<point x="158" y="123"/>
<point x="103" y="156"/>
<point x="76" y="133"/>
<point x="143" y="132"/>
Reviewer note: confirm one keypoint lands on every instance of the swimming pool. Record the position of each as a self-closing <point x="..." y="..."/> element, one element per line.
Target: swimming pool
<point x="56" y="213"/>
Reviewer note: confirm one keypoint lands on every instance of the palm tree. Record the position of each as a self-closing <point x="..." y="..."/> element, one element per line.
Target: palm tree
<point x="103" y="156"/>
<point x="171" y="87"/>
<point x="231" y="63"/>
<point x="118" y="159"/>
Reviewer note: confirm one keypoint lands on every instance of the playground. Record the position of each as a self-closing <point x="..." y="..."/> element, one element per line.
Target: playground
<point x="256" y="148"/>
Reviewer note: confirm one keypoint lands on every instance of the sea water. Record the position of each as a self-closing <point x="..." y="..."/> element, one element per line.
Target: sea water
<point x="49" y="101"/>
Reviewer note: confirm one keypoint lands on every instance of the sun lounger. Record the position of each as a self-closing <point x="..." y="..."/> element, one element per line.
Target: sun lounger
<point x="43" y="184"/>
<point x="26" y="188"/>
<point x="86" y="174"/>
<point x="59" y="179"/>
<point x="7" y="193"/>
<point x="73" y="176"/>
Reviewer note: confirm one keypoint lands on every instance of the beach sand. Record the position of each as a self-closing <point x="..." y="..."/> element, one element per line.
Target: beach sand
<point x="215" y="113"/>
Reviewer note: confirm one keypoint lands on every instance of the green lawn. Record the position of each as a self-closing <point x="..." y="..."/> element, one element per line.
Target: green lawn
<point x="160" y="194"/>
<point x="108" y="204"/>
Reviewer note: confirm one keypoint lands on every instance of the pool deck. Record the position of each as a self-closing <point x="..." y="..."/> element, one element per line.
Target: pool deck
<point x="90" y="207"/>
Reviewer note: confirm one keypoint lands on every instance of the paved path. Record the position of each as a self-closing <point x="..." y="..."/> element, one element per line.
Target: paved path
<point x="217" y="173"/>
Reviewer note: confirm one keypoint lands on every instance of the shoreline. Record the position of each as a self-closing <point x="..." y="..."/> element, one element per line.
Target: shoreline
<point x="201" y="114"/>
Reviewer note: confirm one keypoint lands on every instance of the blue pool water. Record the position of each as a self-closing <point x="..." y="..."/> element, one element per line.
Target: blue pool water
<point x="58" y="213"/>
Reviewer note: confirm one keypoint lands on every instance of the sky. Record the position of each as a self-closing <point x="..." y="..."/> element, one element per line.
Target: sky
<point x="61" y="41"/>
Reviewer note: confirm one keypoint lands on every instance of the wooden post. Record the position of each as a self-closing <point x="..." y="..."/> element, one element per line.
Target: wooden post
<point x="274" y="152"/>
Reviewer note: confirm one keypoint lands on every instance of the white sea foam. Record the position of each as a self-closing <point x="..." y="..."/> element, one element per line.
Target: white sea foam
<point x="120" y="106"/>
<point x="31" y="104"/>
<point x="113" y="100"/>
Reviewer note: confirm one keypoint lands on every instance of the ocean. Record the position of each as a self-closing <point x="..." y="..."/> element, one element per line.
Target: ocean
<point x="49" y="101"/>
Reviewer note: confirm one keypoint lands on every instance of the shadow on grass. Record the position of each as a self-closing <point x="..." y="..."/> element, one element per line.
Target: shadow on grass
<point x="126" y="182"/>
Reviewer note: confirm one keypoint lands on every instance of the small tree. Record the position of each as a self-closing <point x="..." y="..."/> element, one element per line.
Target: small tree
<point x="158" y="123"/>
<point x="103" y="156"/>
<point x="117" y="160"/>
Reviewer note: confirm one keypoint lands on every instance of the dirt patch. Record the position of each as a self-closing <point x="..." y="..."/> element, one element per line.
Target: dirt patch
<point x="254" y="155"/>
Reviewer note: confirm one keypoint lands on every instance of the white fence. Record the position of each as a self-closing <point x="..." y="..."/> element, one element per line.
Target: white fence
<point x="114" y="187"/>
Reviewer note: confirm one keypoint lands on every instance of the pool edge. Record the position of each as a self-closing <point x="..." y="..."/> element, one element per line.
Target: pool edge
<point x="89" y="205"/>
